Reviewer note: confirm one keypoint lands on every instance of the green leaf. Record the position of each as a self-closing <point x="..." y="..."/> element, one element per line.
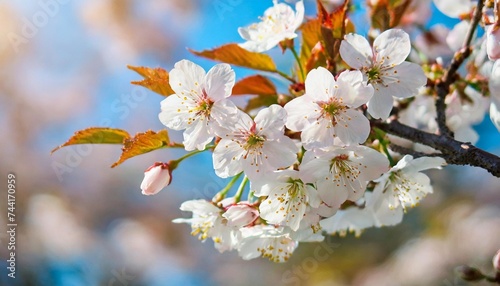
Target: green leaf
<point x="143" y="143"/>
<point x="155" y="79"/>
<point x="96" y="135"/>
<point x="255" y="84"/>
<point x="235" y="55"/>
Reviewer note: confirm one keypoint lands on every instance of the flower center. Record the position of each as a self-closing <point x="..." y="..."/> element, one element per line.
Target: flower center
<point x="373" y="75"/>
<point x="332" y="108"/>
<point x="254" y="140"/>
<point x="204" y="105"/>
<point x="295" y="188"/>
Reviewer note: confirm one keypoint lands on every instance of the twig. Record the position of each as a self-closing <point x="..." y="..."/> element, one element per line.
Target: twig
<point x="443" y="86"/>
<point x="453" y="151"/>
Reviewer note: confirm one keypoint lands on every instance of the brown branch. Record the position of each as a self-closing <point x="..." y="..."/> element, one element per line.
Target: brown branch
<point x="453" y="151"/>
<point x="443" y="86"/>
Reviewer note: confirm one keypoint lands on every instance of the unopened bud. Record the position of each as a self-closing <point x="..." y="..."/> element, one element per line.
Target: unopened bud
<point x="156" y="178"/>
<point x="493" y="41"/>
<point x="240" y="215"/>
<point x="496" y="261"/>
<point x="468" y="273"/>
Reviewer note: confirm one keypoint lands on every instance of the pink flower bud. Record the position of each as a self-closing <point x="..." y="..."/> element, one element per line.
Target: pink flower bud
<point x="240" y="215"/>
<point x="156" y="178"/>
<point x="496" y="261"/>
<point x="493" y="41"/>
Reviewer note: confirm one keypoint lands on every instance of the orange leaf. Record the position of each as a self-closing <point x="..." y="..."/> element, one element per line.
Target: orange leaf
<point x="96" y="135"/>
<point x="143" y="143"/>
<point x="234" y="54"/>
<point x="156" y="79"/>
<point x="255" y="84"/>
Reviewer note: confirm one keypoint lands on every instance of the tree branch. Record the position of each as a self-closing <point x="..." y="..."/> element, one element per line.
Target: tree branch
<point x="453" y="151"/>
<point x="443" y="86"/>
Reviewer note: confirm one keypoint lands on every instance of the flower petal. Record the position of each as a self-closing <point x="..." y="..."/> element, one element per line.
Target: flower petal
<point x="186" y="76"/>
<point x="380" y="105"/>
<point x="392" y="47"/>
<point x="352" y="127"/>
<point x="320" y="84"/>
<point x="175" y="113"/>
<point x="356" y="51"/>
<point x="219" y="82"/>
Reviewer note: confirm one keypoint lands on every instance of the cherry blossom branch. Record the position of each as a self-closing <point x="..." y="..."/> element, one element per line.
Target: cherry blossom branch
<point x="453" y="151"/>
<point x="443" y="86"/>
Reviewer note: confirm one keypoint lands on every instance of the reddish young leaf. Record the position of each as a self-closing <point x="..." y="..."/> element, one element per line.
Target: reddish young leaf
<point x="143" y="143"/>
<point x="255" y="84"/>
<point x="234" y="54"/>
<point x="96" y="135"/>
<point x="156" y="79"/>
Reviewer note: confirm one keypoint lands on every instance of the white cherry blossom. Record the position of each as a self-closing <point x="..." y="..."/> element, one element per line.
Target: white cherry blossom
<point x="493" y="41"/>
<point x="404" y="185"/>
<point x="287" y="199"/>
<point x="207" y="221"/>
<point x="384" y="67"/>
<point x="199" y="105"/>
<point x="266" y="241"/>
<point x="326" y="110"/>
<point x="278" y="23"/>
<point x="342" y="173"/>
<point x="255" y="146"/>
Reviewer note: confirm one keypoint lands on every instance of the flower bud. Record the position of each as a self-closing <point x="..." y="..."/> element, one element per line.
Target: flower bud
<point x="493" y="41"/>
<point x="496" y="261"/>
<point x="156" y="178"/>
<point x="240" y="215"/>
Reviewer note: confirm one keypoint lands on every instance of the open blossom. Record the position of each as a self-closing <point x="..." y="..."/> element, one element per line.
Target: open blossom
<point x="278" y="23"/>
<point x="200" y="103"/>
<point x="342" y="173"/>
<point x="287" y="199"/>
<point x="494" y="86"/>
<point x="207" y="221"/>
<point x="326" y="110"/>
<point x="156" y="178"/>
<point x="266" y="241"/>
<point x="384" y="67"/>
<point x="255" y="146"/>
<point x="404" y="185"/>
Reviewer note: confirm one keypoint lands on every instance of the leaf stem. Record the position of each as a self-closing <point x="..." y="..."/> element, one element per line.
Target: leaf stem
<point x="241" y="188"/>
<point x="174" y="163"/>
<point x="285" y="76"/>
<point x="222" y="193"/>
<point x="296" y="56"/>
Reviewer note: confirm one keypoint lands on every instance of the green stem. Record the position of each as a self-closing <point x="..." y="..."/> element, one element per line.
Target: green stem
<point x="241" y="188"/>
<point x="222" y="194"/>
<point x="294" y="52"/>
<point x="383" y="143"/>
<point x="286" y="76"/>
<point x="174" y="163"/>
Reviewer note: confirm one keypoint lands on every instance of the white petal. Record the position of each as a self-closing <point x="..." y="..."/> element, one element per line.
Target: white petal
<point x="299" y="16"/>
<point x="319" y="134"/>
<point x="495" y="112"/>
<point x="227" y="158"/>
<point x="392" y="47"/>
<point x="424" y="163"/>
<point x="302" y="111"/>
<point x="352" y="127"/>
<point x="380" y="105"/>
<point x="219" y="82"/>
<point x="271" y="121"/>
<point x="402" y="81"/>
<point x="174" y="113"/>
<point x="353" y="90"/>
<point x="454" y="8"/>
<point x="330" y="194"/>
<point x="197" y="135"/>
<point x="319" y="84"/>
<point x="356" y="51"/>
<point x="186" y="76"/>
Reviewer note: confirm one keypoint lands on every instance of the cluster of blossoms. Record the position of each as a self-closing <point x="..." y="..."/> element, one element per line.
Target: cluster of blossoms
<point x="313" y="165"/>
<point x="298" y="186"/>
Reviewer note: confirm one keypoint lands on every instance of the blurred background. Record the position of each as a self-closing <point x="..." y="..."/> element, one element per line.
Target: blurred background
<point x="63" y="68"/>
